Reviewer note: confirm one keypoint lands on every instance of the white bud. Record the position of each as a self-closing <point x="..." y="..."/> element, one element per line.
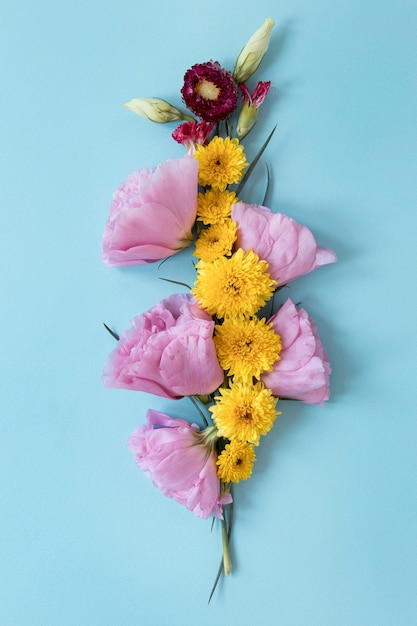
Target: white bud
<point x="156" y="110"/>
<point x="252" y="54"/>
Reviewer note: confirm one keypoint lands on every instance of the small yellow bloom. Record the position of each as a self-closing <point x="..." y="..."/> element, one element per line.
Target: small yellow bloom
<point x="246" y="348"/>
<point x="236" y="461"/>
<point x="220" y="163"/>
<point x="234" y="286"/>
<point x="244" y="411"/>
<point x="215" y="206"/>
<point x="215" y="241"/>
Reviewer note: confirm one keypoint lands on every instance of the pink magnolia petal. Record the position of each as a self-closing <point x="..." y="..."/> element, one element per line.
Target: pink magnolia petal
<point x="151" y="215"/>
<point x="196" y="372"/>
<point x="171" y="454"/>
<point x="303" y="371"/>
<point x="289" y="248"/>
<point x="168" y="351"/>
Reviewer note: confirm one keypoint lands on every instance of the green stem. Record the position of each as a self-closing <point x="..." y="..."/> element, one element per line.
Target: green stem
<point x="227" y="561"/>
<point x="203" y="417"/>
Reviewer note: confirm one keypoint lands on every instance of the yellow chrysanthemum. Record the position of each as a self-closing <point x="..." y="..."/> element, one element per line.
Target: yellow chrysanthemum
<point x="246" y="348"/>
<point x="215" y="206"/>
<point x="220" y="163"/>
<point x="234" y="286"/>
<point x="236" y="461"/>
<point x="215" y="241"/>
<point x="244" y="411"/>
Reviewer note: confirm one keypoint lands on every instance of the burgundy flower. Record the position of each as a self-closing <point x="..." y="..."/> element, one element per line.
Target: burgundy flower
<point x="209" y="91"/>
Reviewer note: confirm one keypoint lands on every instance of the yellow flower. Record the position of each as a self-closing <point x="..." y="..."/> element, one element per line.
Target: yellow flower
<point x="236" y="461"/>
<point x="246" y="348"/>
<point x="215" y="206"/>
<point x="235" y="286"/>
<point x="215" y="241"/>
<point x="244" y="411"/>
<point x="220" y="163"/>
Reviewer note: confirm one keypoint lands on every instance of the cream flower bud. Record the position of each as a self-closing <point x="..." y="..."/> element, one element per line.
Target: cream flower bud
<point x="252" y="54"/>
<point x="251" y="103"/>
<point x="156" y="110"/>
<point x="247" y="119"/>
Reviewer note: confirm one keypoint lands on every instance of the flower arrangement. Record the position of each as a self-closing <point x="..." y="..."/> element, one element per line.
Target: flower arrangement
<point x="214" y="343"/>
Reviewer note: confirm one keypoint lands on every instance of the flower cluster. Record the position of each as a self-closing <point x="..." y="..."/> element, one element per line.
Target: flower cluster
<point x="213" y="344"/>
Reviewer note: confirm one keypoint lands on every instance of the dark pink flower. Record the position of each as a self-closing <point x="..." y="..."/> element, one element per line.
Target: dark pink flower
<point x="209" y="91"/>
<point x="190" y="133"/>
<point x="151" y="214"/>
<point x="168" y="351"/>
<point x="303" y="371"/>
<point x="259" y="93"/>
<point x="250" y="109"/>
<point x="289" y="248"/>
<point x="181" y="462"/>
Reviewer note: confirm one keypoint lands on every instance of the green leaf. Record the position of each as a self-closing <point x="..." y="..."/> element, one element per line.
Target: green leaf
<point x="174" y="282"/>
<point x="113" y="334"/>
<point x="254" y="162"/>
<point x="203" y="417"/>
<point x="268" y="182"/>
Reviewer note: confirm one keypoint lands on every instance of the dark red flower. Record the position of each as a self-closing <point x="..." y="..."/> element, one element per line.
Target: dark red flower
<point x="209" y="91"/>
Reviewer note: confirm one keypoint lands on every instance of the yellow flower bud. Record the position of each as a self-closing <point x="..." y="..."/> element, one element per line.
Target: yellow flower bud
<point x="156" y="110"/>
<point x="252" y="54"/>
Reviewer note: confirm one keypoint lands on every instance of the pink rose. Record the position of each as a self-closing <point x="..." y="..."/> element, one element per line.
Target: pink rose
<point x="152" y="214"/>
<point x="288" y="247"/>
<point x="303" y="371"/>
<point x="168" y="351"/>
<point x="180" y="462"/>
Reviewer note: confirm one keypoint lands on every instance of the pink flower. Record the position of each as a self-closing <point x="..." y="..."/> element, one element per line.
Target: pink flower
<point x="152" y="214"/>
<point x="168" y="351"/>
<point x="250" y="109"/>
<point x="180" y="461"/>
<point x="190" y="133"/>
<point x="288" y="247"/>
<point x="257" y="97"/>
<point x="303" y="371"/>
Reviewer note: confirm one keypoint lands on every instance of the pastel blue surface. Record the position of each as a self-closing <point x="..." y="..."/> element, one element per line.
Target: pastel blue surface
<point x="326" y="528"/>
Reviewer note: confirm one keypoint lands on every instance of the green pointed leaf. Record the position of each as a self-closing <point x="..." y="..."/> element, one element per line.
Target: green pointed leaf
<point x="175" y="282"/>
<point x="203" y="417"/>
<point x="254" y="162"/>
<point x="268" y="182"/>
<point x="113" y="334"/>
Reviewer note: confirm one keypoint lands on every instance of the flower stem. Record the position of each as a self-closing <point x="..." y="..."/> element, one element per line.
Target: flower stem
<point x="227" y="562"/>
<point x="193" y="400"/>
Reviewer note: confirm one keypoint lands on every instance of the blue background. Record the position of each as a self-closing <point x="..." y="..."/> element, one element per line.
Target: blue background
<point x="325" y="529"/>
